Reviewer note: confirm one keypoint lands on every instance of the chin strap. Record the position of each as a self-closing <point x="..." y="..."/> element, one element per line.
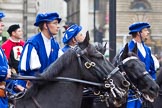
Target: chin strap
<point x="51" y="35"/>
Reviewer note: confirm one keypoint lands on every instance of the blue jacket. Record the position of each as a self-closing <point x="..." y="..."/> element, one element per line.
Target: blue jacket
<point x="65" y="48"/>
<point x="148" y="60"/>
<point x="3" y="74"/>
<point x="38" y="43"/>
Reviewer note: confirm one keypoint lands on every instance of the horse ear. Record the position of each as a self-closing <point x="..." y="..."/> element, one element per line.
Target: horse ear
<point x="126" y="48"/>
<point x="100" y="47"/>
<point x="87" y="38"/>
<point x="135" y="48"/>
<point x="125" y="52"/>
<point x="105" y="46"/>
<point x="85" y="43"/>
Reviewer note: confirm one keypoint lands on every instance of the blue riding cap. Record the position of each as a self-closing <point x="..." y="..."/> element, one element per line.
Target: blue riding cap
<point x="71" y="32"/>
<point x="138" y="26"/>
<point x="47" y="17"/>
<point x="2" y="15"/>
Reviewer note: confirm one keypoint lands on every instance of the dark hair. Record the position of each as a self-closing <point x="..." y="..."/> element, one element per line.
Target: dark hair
<point x="41" y="25"/>
<point x="134" y="34"/>
<point x="13" y="28"/>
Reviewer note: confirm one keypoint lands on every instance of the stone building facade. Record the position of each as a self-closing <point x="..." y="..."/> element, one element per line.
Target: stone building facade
<point x="20" y="12"/>
<point x="82" y="12"/>
<point x="24" y="12"/>
<point x="127" y="12"/>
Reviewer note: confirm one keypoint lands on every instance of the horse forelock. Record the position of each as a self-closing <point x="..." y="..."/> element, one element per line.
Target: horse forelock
<point x="132" y="54"/>
<point x="94" y="51"/>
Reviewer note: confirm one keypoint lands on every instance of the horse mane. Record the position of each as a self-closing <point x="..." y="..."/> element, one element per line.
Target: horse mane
<point x="51" y="72"/>
<point x="132" y="54"/>
<point x="60" y="63"/>
<point x="124" y="54"/>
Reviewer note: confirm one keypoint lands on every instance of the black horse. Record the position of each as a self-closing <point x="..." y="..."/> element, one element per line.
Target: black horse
<point x="134" y="69"/>
<point x="141" y="82"/>
<point x="83" y="62"/>
<point x="158" y="101"/>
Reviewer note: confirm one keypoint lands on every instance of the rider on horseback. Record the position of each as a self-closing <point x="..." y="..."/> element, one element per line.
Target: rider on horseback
<point x="5" y="72"/>
<point x="41" y="49"/>
<point x="72" y="36"/>
<point x="140" y="33"/>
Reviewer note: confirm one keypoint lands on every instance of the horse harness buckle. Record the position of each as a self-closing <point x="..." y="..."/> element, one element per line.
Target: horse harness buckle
<point x="89" y="64"/>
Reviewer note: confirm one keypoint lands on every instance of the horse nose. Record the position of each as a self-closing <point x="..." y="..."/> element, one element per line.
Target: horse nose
<point x="126" y="83"/>
<point x="155" y="88"/>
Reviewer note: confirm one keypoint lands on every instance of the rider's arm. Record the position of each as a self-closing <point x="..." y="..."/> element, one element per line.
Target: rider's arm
<point x="4" y="71"/>
<point x="29" y="61"/>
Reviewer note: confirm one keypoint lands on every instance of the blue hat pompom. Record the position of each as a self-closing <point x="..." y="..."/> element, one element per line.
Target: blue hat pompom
<point x="47" y="17"/>
<point x="138" y="26"/>
<point x="2" y="15"/>
<point x="71" y="32"/>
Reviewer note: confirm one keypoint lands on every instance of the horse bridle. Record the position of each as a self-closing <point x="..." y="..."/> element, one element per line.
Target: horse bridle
<point x="88" y="64"/>
<point x="107" y="78"/>
<point x="137" y="93"/>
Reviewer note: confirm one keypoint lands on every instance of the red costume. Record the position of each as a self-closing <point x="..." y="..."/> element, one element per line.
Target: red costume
<point x="12" y="51"/>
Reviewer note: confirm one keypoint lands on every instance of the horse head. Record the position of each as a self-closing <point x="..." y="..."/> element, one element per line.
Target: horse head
<point x="115" y="84"/>
<point x="137" y="74"/>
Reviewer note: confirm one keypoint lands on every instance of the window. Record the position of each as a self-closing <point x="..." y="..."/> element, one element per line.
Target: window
<point x="97" y="4"/>
<point x="140" y="5"/>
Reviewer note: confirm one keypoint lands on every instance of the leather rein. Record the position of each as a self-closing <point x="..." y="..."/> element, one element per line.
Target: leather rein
<point x="133" y="87"/>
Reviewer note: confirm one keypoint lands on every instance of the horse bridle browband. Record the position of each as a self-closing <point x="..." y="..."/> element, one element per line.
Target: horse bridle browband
<point x="135" y="58"/>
